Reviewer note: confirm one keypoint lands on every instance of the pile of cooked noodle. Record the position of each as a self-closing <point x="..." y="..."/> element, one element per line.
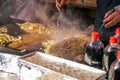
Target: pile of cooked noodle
<point x="71" y="48"/>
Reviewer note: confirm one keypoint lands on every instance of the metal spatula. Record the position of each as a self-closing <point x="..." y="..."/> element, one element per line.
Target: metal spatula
<point x="59" y="15"/>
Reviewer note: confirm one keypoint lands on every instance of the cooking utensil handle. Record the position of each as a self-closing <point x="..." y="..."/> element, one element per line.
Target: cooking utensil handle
<point x="102" y="26"/>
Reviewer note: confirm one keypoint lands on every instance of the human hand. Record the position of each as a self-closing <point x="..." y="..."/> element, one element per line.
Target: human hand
<point x="112" y="19"/>
<point x="59" y="3"/>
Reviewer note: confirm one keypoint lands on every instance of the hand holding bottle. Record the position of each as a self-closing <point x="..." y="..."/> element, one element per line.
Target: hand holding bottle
<point x="112" y="19"/>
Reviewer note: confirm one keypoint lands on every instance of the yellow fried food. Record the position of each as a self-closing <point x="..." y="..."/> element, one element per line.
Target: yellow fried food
<point x="35" y="27"/>
<point x="6" y="39"/>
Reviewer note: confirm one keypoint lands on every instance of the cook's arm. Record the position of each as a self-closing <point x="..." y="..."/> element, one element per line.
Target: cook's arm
<point x="60" y="3"/>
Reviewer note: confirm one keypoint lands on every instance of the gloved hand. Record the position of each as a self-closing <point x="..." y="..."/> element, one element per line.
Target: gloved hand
<point x="112" y="19"/>
<point x="59" y="3"/>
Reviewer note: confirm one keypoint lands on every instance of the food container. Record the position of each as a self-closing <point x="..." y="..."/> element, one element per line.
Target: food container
<point x="12" y="68"/>
<point x="103" y="77"/>
<point x="8" y="76"/>
<point x="40" y="73"/>
<point x="8" y="66"/>
<point x="63" y="66"/>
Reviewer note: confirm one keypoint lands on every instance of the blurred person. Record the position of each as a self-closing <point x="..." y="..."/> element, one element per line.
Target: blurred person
<point x="12" y="11"/>
<point x="102" y="16"/>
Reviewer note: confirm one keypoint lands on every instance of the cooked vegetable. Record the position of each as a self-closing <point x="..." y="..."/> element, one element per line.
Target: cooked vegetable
<point x="6" y="39"/>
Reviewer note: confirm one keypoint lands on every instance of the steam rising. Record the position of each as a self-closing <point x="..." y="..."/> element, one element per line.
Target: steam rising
<point x="66" y="23"/>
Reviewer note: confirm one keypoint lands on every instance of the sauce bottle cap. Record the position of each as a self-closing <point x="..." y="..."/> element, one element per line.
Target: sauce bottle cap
<point x="95" y="35"/>
<point x="118" y="55"/>
<point x="113" y="39"/>
<point x="118" y="30"/>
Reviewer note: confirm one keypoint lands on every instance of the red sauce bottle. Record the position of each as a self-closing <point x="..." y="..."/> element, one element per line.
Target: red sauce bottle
<point x="94" y="51"/>
<point x="114" y="73"/>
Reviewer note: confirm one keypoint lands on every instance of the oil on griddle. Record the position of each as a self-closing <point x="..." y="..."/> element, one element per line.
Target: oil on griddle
<point x="35" y="34"/>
